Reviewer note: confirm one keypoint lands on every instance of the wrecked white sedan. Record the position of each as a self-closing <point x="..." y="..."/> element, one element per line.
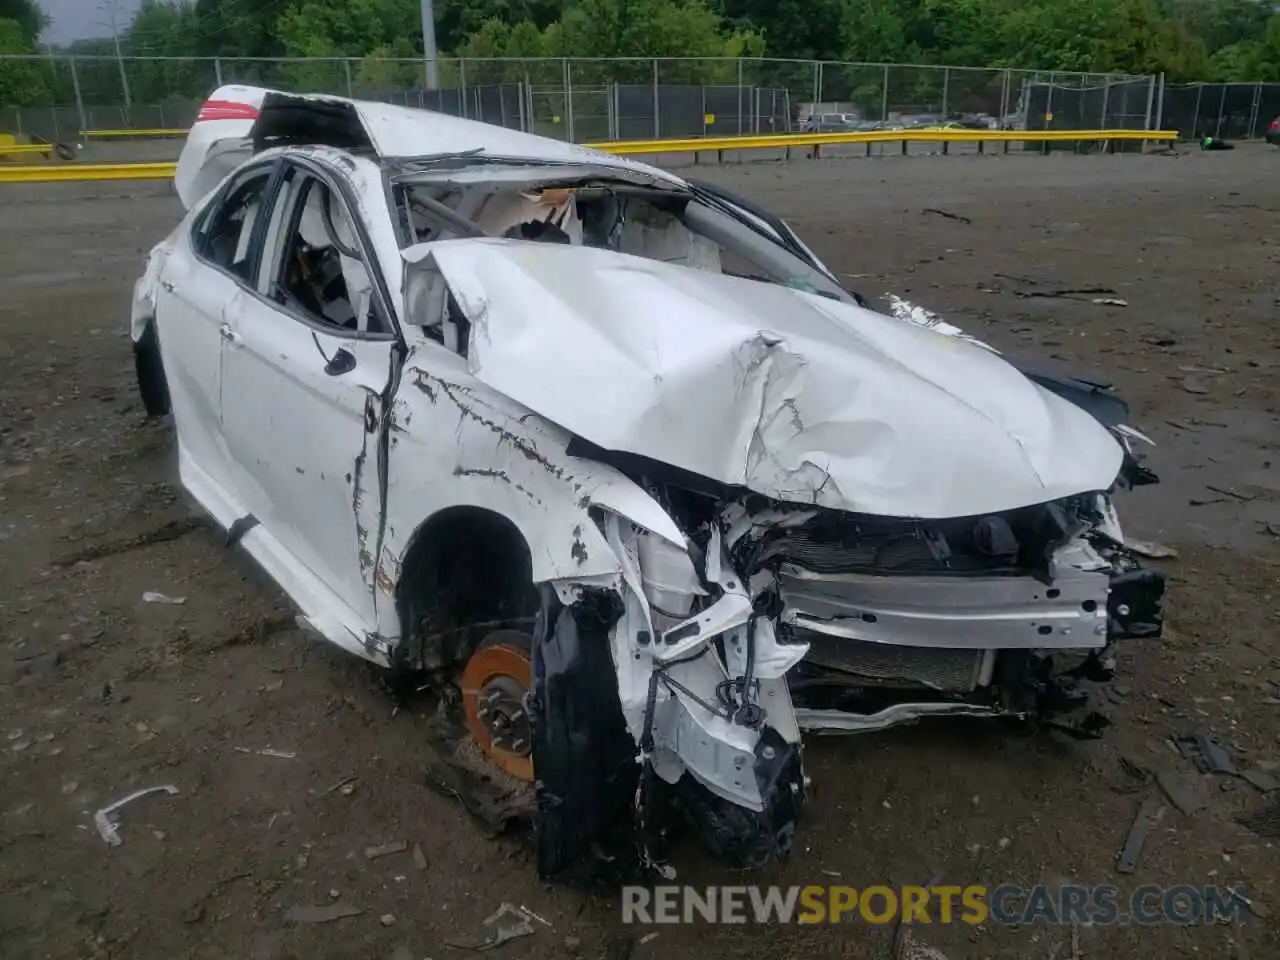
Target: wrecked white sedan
<point x="615" y="453"/>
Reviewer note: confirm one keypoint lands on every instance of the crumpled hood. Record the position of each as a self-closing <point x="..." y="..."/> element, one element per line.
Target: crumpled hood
<point x="792" y="395"/>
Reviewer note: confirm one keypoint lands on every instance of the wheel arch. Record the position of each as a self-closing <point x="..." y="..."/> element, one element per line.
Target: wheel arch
<point x="464" y="569"/>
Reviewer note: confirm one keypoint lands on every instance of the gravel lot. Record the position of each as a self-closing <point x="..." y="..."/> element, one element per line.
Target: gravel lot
<point x="103" y="694"/>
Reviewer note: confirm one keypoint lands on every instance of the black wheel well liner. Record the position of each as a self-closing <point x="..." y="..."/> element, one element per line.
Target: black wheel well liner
<point x="466" y="569"/>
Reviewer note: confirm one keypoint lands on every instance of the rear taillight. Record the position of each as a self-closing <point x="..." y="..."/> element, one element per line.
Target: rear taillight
<point x="227" y="110"/>
<point x="1275" y="124"/>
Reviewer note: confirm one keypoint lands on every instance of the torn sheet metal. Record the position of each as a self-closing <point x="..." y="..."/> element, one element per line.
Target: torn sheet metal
<point x="237" y="115"/>
<point x="792" y="395"/>
<point x="913" y="313"/>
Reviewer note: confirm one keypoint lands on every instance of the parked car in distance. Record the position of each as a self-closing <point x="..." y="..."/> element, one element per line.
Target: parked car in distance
<point x="831" y="123"/>
<point x="1273" y="132"/>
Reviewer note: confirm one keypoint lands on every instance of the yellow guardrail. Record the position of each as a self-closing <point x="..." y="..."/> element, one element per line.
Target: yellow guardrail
<point x="156" y="133"/>
<point x="16" y="148"/>
<point x="73" y="172"/>
<point x="162" y="171"/>
<point x="918" y="135"/>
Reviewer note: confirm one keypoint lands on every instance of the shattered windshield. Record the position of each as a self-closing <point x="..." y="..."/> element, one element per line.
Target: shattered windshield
<point x="658" y="223"/>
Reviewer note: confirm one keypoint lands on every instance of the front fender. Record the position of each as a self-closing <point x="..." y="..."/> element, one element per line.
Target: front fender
<point x="502" y="458"/>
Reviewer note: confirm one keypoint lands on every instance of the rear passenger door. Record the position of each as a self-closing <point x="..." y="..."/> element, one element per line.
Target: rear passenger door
<point x="200" y="281"/>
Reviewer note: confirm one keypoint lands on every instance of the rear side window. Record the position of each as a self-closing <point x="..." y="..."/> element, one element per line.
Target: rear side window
<point x="224" y="234"/>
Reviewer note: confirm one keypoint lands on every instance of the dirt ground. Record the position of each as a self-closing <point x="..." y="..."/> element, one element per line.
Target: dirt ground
<point x="104" y="693"/>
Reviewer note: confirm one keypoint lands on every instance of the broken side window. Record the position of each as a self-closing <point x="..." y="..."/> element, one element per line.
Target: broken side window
<point x="223" y="235"/>
<point x="321" y="270"/>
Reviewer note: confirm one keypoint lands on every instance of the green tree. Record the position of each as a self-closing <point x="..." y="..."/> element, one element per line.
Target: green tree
<point x="22" y="82"/>
<point x="27" y="15"/>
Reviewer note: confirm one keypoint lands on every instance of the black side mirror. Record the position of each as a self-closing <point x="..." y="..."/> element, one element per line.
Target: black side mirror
<point x="341" y="362"/>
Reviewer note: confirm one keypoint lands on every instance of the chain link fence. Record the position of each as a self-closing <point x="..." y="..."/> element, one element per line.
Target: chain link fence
<point x="587" y="100"/>
<point x="1230" y="110"/>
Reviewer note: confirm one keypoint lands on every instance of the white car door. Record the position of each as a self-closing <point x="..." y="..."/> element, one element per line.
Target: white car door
<point x="199" y="280"/>
<point x="304" y="375"/>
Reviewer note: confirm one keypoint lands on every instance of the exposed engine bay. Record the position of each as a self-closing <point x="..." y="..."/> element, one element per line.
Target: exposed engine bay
<point x="781" y="619"/>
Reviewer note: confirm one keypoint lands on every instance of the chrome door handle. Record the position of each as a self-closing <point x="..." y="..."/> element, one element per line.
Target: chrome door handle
<point x="228" y="334"/>
<point x="168" y="285"/>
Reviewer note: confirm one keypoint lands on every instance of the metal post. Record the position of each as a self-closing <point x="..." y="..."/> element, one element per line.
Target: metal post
<point x="524" y="120"/>
<point x="1006" y="85"/>
<point x="739" y="96"/>
<point x="530" y="117"/>
<point x="884" y="97"/>
<point x="75" y="86"/>
<point x="1160" y="103"/>
<point x="462" y="85"/>
<point x="657" y="126"/>
<point x="703" y="88"/>
<point x="946" y="92"/>
<point x="567" y="79"/>
<point x="1106" y="105"/>
<point x="115" y="36"/>
<point x="817" y="86"/>
<point x="1253" y="110"/>
<point x="1222" y="105"/>
<point x="217" y="70"/>
<point x="429" y="52"/>
<point x="1195" y="119"/>
<point x="346" y="68"/>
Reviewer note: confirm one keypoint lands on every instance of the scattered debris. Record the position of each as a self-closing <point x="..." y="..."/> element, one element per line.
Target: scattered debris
<point x="1069" y="293"/>
<point x="39" y="664"/>
<point x="322" y="914"/>
<point x="387" y="919"/>
<point x="105" y="821"/>
<point x="1216" y="143"/>
<point x="1266" y="782"/>
<point x="505" y="924"/>
<point x="1206" y="751"/>
<point x="1204" y="503"/>
<point x="1150" y="549"/>
<point x="1149" y="816"/>
<point x="1227" y="491"/>
<point x="1253" y="906"/>
<point x="346" y="784"/>
<point x="647" y="938"/>
<point x="619" y="948"/>
<point x="269" y="752"/>
<point x="152" y="597"/>
<point x="1110" y="302"/>
<point x="419" y="858"/>
<point x="1184" y="792"/>
<point x="944" y="213"/>
<point x="901" y="935"/>
<point x="386" y="849"/>
<point x="913" y="949"/>
<point x="1270" y="528"/>
<point x="1192" y="385"/>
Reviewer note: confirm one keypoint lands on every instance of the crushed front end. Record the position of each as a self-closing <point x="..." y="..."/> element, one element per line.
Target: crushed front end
<point x="1008" y="614"/>
<point x="772" y="619"/>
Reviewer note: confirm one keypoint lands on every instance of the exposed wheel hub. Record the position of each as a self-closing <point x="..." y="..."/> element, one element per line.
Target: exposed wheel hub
<point x="494" y="684"/>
